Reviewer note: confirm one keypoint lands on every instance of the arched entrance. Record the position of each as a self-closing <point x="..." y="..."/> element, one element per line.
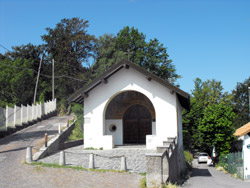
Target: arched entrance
<point x="126" y="108"/>
<point x="137" y="123"/>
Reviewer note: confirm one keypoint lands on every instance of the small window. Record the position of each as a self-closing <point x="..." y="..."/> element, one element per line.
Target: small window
<point x="112" y="128"/>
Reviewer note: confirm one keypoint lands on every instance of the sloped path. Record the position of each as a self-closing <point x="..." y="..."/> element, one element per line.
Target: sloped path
<point x="207" y="177"/>
<point x="14" y="173"/>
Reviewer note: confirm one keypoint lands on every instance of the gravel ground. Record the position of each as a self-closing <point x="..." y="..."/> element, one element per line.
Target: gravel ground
<point x="15" y="174"/>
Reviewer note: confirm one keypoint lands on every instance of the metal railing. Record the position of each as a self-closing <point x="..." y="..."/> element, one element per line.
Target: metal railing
<point x="233" y="163"/>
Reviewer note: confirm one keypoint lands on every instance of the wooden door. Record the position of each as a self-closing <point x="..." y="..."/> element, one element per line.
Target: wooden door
<point x="137" y="123"/>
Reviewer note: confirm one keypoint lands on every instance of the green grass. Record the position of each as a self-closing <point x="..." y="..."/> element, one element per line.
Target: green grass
<point x="168" y="185"/>
<point x="91" y="148"/>
<point x="76" y="133"/>
<point x="38" y="166"/>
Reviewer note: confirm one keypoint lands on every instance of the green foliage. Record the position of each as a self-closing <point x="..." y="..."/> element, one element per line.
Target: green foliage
<point x="15" y="82"/>
<point x="71" y="46"/>
<point x="209" y="121"/>
<point x="188" y="158"/>
<point x="215" y="128"/>
<point x="143" y="183"/>
<point x="241" y="103"/>
<point x="232" y="163"/>
<point x="151" y="55"/>
<point x="77" y="132"/>
<point x="168" y="185"/>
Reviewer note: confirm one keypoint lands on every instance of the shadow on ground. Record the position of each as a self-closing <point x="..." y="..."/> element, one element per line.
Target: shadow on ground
<point x="200" y="172"/>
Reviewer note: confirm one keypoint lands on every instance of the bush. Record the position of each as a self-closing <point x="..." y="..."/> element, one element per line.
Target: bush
<point x="188" y="158"/>
<point x="77" y="132"/>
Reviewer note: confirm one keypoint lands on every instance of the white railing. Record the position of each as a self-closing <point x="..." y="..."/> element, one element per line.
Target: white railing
<point x="20" y="115"/>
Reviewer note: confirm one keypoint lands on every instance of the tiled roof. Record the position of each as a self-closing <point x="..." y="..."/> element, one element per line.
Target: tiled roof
<point x="243" y="130"/>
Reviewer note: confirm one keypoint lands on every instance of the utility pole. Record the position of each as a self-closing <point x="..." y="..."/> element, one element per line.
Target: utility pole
<point x="38" y="74"/>
<point x="53" y="87"/>
<point x="128" y="53"/>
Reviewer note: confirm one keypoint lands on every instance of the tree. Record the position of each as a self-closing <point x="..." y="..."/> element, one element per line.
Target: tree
<point x="16" y="81"/>
<point x="215" y="128"/>
<point x="32" y="54"/>
<point x="70" y="45"/>
<point x="205" y="96"/>
<point x="241" y="103"/>
<point x="106" y="54"/>
<point x="130" y="43"/>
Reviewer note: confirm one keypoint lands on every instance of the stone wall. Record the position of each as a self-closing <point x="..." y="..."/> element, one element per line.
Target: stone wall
<point x="164" y="165"/>
<point x="55" y="144"/>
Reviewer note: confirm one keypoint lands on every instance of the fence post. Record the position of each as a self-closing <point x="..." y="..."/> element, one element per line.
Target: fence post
<point x="123" y="163"/>
<point x="21" y="114"/>
<point x="45" y="140"/>
<point x="29" y="154"/>
<point x="32" y="112"/>
<point x="7" y="117"/>
<point x="27" y="114"/>
<point x="91" y="161"/>
<point x="59" y="129"/>
<point x="15" y="116"/>
<point x="62" y="158"/>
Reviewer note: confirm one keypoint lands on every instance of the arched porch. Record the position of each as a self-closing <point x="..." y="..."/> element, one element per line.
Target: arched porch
<point x="129" y="117"/>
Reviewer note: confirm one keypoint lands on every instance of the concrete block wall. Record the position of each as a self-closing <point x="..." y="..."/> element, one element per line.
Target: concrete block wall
<point x="164" y="165"/>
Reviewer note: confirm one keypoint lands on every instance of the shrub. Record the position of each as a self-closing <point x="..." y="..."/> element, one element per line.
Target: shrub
<point x="77" y="132"/>
<point x="188" y="158"/>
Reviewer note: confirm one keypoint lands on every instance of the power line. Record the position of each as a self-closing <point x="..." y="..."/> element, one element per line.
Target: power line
<point x="4" y="48"/>
<point x="44" y="75"/>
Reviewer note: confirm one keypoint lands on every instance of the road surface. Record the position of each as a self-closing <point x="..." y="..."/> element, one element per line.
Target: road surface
<point x="208" y="177"/>
<point x="15" y="174"/>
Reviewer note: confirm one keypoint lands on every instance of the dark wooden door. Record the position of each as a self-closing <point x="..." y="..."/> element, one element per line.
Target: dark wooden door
<point x="137" y="123"/>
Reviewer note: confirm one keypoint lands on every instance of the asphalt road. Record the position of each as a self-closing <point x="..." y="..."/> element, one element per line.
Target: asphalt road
<point x="203" y="176"/>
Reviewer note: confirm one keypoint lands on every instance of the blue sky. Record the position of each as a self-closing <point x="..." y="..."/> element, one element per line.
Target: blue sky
<point x="205" y="38"/>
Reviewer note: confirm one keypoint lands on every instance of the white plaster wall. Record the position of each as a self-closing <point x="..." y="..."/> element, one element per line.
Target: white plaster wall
<point x="118" y="134"/>
<point x="129" y="79"/>
<point x="246" y="153"/>
<point x="153" y="128"/>
<point x="179" y="123"/>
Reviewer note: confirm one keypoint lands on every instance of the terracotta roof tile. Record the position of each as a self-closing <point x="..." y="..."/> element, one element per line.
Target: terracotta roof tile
<point x="243" y="130"/>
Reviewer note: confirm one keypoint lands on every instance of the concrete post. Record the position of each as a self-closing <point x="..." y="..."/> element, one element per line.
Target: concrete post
<point x="29" y="154"/>
<point x="123" y="163"/>
<point x="7" y="117"/>
<point x="68" y="123"/>
<point x="59" y="129"/>
<point x="154" y="174"/>
<point x="91" y="161"/>
<point x="45" y="140"/>
<point x="62" y="158"/>
<point x="15" y="116"/>
<point x="21" y="114"/>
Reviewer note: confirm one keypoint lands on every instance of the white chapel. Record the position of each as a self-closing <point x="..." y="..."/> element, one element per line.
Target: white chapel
<point x="128" y="105"/>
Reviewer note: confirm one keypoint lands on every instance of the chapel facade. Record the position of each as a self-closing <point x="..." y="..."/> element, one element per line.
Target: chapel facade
<point x="128" y="105"/>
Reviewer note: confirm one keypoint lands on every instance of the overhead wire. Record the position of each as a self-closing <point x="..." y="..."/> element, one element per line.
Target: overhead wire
<point x="48" y="76"/>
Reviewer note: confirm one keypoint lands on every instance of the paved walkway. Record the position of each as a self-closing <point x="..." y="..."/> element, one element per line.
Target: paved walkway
<point x="207" y="177"/>
<point x="13" y="173"/>
<point x="105" y="159"/>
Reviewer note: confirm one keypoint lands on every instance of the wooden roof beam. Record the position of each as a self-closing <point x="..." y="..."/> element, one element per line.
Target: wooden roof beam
<point x="84" y="95"/>
<point x="104" y="80"/>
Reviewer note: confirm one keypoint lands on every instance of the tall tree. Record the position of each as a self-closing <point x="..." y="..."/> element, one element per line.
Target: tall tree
<point x="241" y="103"/>
<point x="132" y="44"/>
<point x="215" y="127"/>
<point x="16" y="82"/>
<point x="106" y="54"/>
<point x="71" y="46"/>
<point x="205" y="96"/>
